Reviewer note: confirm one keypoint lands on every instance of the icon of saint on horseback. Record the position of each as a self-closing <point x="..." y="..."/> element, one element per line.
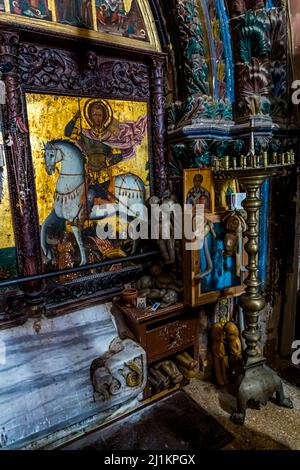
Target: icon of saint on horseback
<point x="104" y="144"/>
<point x="90" y="182"/>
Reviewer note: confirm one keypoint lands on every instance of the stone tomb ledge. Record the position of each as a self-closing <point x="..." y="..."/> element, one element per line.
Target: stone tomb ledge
<point x="45" y="383"/>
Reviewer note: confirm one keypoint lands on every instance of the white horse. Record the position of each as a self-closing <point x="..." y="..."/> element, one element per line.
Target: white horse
<point x="70" y="190"/>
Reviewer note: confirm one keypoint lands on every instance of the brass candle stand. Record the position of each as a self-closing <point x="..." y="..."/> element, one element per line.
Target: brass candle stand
<point x="259" y="382"/>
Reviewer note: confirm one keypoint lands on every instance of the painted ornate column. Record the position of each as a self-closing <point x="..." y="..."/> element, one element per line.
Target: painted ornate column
<point x="259" y="29"/>
<point x="20" y="171"/>
<point x="199" y="125"/>
<point x="158" y="124"/>
<point x="260" y="50"/>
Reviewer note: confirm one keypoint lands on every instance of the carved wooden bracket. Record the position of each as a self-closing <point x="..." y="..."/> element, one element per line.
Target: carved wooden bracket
<point x="61" y="71"/>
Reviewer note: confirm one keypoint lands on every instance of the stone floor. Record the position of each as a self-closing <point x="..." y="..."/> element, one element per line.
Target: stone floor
<point x="270" y="428"/>
<point x="173" y="422"/>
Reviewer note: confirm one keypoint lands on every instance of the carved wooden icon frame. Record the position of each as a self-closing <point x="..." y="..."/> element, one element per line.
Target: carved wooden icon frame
<point x="202" y="283"/>
<point x="59" y="64"/>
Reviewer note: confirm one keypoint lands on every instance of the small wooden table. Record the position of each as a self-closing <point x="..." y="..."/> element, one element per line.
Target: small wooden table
<point x="163" y="333"/>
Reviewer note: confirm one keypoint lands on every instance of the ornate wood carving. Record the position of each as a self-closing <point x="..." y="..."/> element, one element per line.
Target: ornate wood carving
<point x="254" y="87"/>
<point x="196" y="108"/>
<point x="12" y="310"/>
<point x="59" y="71"/>
<point x="191" y="36"/>
<point x="158" y="125"/>
<point x="261" y="53"/>
<point x="77" y="72"/>
<point x="88" y="287"/>
<point x="20" y="171"/>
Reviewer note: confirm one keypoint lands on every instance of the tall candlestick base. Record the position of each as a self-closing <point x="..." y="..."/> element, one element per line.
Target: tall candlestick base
<point x="258" y="383"/>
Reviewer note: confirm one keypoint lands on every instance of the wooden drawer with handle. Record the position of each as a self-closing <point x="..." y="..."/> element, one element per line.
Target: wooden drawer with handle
<point x="169" y="338"/>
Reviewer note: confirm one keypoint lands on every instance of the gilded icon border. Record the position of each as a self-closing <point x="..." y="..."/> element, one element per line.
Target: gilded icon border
<point x="153" y="44"/>
<point x="48" y="115"/>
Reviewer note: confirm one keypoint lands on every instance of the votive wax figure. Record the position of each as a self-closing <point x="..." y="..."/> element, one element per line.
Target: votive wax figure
<point x="105" y="143"/>
<point x="219" y="354"/>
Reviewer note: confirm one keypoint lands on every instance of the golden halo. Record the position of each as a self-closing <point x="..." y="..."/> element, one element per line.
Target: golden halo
<point x="105" y="105"/>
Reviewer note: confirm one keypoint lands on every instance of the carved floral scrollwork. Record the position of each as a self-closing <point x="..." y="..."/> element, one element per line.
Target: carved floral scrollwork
<point x="132" y="78"/>
<point x="158" y="125"/>
<point x="191" y="34"/>
<point x="196" y="108"/>
<point x="255" y="78"/>
<point x="254" y="86"/>
<point x="261" y="55"/>
<point x="47" y="68"/>
<point x="278" y="64"/>
<point x="200" y="153"/>
<point x="254" y="40"/>
<point x="279" y="98"/>
<point x="278" y="34"/>
<point x="58" y="294"/>
<point x="57" y="70"/>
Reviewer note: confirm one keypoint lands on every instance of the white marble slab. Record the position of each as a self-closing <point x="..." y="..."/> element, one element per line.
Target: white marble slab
<point x="45" y="378"/>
